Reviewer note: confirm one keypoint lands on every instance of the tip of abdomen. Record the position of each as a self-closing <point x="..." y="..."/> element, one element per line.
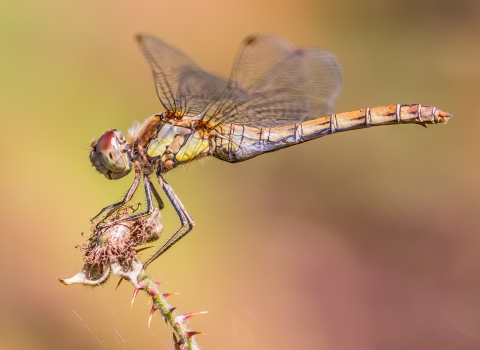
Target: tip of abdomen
<point x="442" y="117"/>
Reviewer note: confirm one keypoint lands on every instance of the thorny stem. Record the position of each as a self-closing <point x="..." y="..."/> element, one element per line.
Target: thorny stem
<point x="186" y="339"/>
<point x="113" y="250"/>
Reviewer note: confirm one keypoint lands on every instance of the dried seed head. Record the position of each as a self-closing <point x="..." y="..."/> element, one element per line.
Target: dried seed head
<point x="112" y="248"/>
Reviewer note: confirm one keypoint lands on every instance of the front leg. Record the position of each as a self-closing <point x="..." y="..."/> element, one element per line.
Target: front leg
<point x="186" y="221"/>
<point x="112" y="208"/>
<point x="148" y="196"/>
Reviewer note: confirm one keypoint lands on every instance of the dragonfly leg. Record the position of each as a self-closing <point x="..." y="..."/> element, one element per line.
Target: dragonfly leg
<point x="186" y="221"/>
<point x="157" y="197"/>
<point x="112" y="208"/>
<point x="148" y="195"/>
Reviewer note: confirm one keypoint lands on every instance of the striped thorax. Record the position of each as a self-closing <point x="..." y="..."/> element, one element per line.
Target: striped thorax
<point x="169" y="142"/>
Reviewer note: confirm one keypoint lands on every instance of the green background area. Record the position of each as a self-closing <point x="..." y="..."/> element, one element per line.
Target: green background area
<point x="362" y="240"/>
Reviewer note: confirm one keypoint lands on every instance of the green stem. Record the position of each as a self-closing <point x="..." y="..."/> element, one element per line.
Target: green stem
<point x="185" y="336"/>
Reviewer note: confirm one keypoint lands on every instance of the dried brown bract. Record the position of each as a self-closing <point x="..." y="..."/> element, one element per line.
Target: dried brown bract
<point x="113" y="248"/>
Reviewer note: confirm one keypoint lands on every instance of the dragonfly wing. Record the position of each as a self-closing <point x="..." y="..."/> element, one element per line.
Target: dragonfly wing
<point x="256" y="57"/>
<point x="324" y="80"/>
<point x="182" y="85"/>
<point x="272" y="84"/>
<point x="196" y="88"/>
<point x="279" y="98"/>
<point x="250" y="84"/>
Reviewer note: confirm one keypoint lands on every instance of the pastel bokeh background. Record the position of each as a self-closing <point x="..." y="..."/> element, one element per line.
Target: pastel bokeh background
<point x="363" y="240"/>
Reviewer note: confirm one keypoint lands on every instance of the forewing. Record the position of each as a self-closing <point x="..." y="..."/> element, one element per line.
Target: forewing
<point x="182" y="85"/>
<point x="196" y="88"/>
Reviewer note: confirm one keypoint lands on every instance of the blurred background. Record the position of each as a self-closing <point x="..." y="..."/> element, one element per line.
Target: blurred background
<point x="363" y="240"/>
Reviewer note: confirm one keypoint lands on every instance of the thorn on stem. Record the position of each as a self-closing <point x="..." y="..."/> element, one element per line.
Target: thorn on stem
<point x="152" y="311"/>
<point x="140" y="286"/>
<point x="190" y="334"/>
<point x="119" y="282"/>
<point x="135" y="292"/>
<point x="181" y="318"/>
<point x="178" y="344"/>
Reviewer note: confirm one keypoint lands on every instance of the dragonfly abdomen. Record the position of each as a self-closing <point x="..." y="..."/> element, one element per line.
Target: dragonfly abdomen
<point x="237" y="143"/>
<point x="387" y="115"/>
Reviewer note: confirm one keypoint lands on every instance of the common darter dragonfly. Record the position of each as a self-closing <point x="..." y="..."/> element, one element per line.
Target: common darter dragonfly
<point x="277" y="96"/>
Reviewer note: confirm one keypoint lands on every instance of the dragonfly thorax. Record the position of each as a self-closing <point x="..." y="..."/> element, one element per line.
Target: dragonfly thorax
<point x="168" y="142"/>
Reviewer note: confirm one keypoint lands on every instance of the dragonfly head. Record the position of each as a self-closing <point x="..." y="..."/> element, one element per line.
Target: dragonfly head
<point x="110" y="155"/>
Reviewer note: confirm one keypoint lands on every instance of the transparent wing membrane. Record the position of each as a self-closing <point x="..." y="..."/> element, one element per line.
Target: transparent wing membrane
<point x="324" y="81"/>
<point x="182" y="85"/>
<point x="256" y="57"/>
<point x="271" y="83"/>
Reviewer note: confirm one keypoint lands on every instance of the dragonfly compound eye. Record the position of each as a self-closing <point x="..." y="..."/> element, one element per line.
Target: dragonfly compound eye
<point x="109" y="155"/>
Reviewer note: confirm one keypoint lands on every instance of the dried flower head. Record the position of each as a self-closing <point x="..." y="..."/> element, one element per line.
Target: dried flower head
<point x="112" y="248"/>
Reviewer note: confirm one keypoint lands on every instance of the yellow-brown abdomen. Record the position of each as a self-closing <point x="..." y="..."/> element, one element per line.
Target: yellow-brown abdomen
<point x="237" y="143"/>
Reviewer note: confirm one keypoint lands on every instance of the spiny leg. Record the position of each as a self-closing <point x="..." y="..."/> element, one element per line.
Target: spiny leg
<point x="112" y="208"/>
<point x="157" y="197"/>
<point x="186" y="221"/>
<point x="148" y="196"/>
<point x="149" y="211"/>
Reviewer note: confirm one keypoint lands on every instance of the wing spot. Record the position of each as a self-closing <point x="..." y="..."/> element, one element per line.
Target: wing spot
<point x="250" y="40"/>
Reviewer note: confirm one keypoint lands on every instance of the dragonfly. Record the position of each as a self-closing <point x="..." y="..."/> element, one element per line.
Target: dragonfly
<point x="277" y="96"/>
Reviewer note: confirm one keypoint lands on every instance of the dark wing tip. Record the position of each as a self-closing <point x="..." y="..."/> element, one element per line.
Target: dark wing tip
<point x="141" y="37"/>
<point x="138" y="37"/>
<point x="250" y="40"/>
